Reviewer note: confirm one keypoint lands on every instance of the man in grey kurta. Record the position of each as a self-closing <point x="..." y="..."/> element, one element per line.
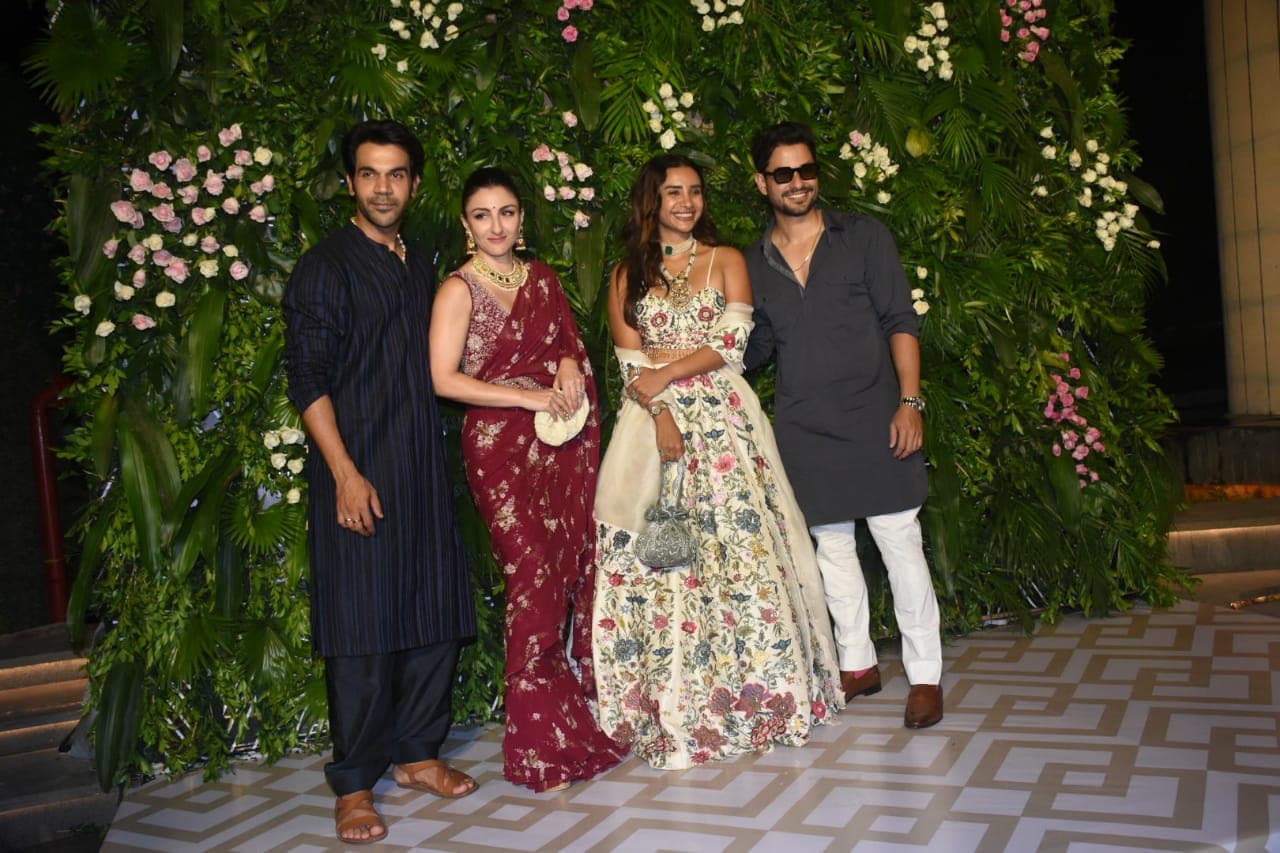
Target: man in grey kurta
<point x="832" y="301"/>
<point x="390" y="593"/>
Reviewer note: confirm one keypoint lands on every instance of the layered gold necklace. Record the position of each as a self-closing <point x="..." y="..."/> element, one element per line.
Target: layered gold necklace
<point x="513" y="280"/>
<point x="678" y="290"/>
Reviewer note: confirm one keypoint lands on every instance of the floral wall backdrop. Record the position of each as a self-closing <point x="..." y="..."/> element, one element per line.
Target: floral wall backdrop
<point x="198" y="154"/>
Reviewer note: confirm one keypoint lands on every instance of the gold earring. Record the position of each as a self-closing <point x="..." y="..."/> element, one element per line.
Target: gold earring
<point x="521" y="246"/>
<point x="471" y="242"/>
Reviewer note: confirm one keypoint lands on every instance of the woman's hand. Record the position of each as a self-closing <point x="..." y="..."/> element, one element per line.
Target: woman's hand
<point x="547" y="400"/>
<point x="670" y="440"/>
<point x="570" y="383"/>
<point x="647" y="383"/>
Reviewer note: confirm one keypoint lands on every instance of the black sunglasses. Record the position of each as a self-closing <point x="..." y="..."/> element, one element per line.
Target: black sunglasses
<point x="784" y="174"/>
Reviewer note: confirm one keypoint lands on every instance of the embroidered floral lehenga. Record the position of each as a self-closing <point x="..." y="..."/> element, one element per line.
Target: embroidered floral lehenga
<point x="536" y="500"/>
<point x="734" y="653"/>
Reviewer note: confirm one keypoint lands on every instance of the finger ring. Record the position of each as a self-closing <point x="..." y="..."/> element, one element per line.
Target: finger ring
<point x="349" y="520"/>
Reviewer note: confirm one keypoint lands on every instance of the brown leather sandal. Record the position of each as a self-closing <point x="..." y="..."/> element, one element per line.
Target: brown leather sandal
<point x="434" y="777"/>
<point x="355" y="811"/>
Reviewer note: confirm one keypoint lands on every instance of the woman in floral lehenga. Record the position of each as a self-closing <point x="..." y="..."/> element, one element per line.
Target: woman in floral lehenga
<point x="505" y="343"/>
<point x="733" y="653"/>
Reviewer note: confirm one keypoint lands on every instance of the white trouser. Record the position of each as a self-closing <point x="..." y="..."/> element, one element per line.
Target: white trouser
<point x="901" y="545"/>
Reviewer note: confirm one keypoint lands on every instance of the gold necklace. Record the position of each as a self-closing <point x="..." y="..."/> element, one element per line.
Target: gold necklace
<point x="678" y="291"/>
<point x="513" y="280"/>
<point x="679" y="248"/>
<point x="400" y="251"/>
<point x="812" y="249"/>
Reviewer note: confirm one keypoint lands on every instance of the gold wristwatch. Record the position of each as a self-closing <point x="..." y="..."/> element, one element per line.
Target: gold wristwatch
<point x="916" y="403"/>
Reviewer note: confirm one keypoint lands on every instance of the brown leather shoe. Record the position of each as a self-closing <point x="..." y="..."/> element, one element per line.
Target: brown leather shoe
<point x="924" y="706"/>
<point x="867" y="685"/>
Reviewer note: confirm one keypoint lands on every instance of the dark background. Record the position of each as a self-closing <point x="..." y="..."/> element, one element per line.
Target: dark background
<point x="1163" y="77"/>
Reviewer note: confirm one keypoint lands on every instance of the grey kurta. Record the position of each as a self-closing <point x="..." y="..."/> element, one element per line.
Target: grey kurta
<point x="357" y="321"/>
<point x="837" y="389"/>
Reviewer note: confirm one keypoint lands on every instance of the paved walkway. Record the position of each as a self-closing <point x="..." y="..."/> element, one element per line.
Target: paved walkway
<point x="1151" y="730"/>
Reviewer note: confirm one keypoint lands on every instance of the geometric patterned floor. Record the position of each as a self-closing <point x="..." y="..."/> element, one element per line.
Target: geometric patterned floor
<point x="1151" y="730"/>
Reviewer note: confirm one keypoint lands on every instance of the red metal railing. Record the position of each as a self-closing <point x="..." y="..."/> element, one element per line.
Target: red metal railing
<point x="55" y="558"/>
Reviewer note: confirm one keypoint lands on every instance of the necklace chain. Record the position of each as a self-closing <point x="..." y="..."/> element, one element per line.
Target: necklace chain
<point x="513" y="280"/>
<point x="678" y="291"/>
<point x="678" y="248"/>
<point x="821" y="230"/>
<point x="400" y="251"/>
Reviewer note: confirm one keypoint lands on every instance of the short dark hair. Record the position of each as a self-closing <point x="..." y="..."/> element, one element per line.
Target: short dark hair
<point x="485" y="178"/>
<point x="382" y="132"/>
<point x="784" y="133"/>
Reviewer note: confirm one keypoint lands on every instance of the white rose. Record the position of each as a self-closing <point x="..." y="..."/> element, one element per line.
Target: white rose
<point x="922" y="272"/>
<point x="154" y="242"/>
<point x="289" y="435"/>
<point x="942" y="23"/>
<point x="1046" y="132"/>
<point x="860" y="169"/>
<point x="1091" y="146"/>
<point x="123" y="292"/>
<point x="292" y="496"/>
<point x="164" y="299"/>
<point x="1089" y="176"/>
<point x="924" y="63"/>
<point x="708" y="25"/>
<point x="1048" y="152"/>
<point x="380" y="50"/>
<point x="686" y="99"/>
<point x="402" y="66"/>
<point x="230" y="250"/>
<point x="665" y="90"/>
<point x="453" y="10"/>
<point x="911" y="43"/>
<point x="1075" y="159"/>
<point x="655" y="124"/>
<point x="945" y="72"/>
<point x="1154" y="244"/>
<point x="735" y="18"/>
<point x="667" y="140"/>
<point x="279" y="460"/>
<point x="921" y="307"/>
<point x="208" y="268"/>
<point x="105" y="328"/>
<point x="190" y="239"/>
<point x="883" y="197"/>
<point x="649" y="107"/>
<point x="937" y="10"/>
<point x="295" y="466"/>
<point x="271" y="439"/>
<point x="262" y="155"/>
<point x="678" y="117"/>
<point x="917" y="293"/>
<point x="1041" y="191"/>
<point x="82" y="303"/>
<point x="928" y="31"/>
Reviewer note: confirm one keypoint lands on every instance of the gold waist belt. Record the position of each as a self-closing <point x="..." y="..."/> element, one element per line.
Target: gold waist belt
<point x="666" y="356"/>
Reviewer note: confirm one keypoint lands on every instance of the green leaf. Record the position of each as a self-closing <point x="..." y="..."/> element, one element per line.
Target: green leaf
<point x="116" y="727"/>
<point x="588" y="252"/>
<point x="586" y="89"/>
<point x="1066" y="486"/>
<point x="166" y="16"/>
<point x="1147" y="195"/>
<point x="229" y="577"/>
<point x="149" y="472"/>
<point x="90" y="223"/>
<point x="103" y="441"/>
<point x="195" y="371"/>
<point x="87" y="570"/>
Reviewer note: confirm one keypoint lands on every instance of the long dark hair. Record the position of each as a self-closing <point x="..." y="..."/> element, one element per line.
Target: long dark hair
<point x="643" y="262"/>
<point x="485" y="178"/>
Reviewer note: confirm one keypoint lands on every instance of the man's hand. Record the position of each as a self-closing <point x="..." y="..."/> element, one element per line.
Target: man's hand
<point x="906" y="432"/>
<point x="358" y="505"/>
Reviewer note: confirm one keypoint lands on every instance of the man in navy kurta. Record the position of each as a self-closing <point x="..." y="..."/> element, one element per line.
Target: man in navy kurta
<point x="833" y="302"/>
<point x="390" y="593"/>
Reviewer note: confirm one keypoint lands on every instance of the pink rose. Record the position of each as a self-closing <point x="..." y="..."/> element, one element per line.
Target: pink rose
<point x="1099" y="447"/>
<point x="562" y="158"/>
<point x="139" y="278"/>
<point x="230" y="205"/>
<point x="243" y="157"/>
<point x="255" y="187"/>
<point x="1057" y="449"/>
<point x="1083" y="483"/>
<point x="1032" y="51"/>
<point x="1083" y="392"/>
<point x="1074" y="373"/>
<point x="1005" y="20"/>
<point x="203" y="154"/>
<point x="183" y="170"/>
<point x="162" y="212"/>
<point x="569" y="118"/>
<point x="1092" y="434"/>
<point x="268" y="183"/>
<point x="173" y="226"/>
<point x="1082" y="468"/>
<point x="1004" y="36"/>
<point x="138" y="253"/>
<point x="692" y="583"/>
<point x="109" y="247"/>
<point x="229" y="135"/>
<point x="1080" y="452"/>
<point x="587" y="193"/>
<point x="235" y="173"/>
<point x="615" y="579"/>
<point x="1093" y="476"/>
<point x="585" y="5"/>
<point x="549" y="192"/>
<point x="1065" y="356"/>
<point x="209" y="245"/>
<point x="161" y="190"/>
<point x="213" y="183"/>
<point x="660" y="622"/>
<point x="730" y="619"/>
<point x="562" y="14"/>
<point x="189" y="194"/>
<point x="177" y="270"/>
<point x="688" y="627"/>
<point x="124" y="211"/>
<point x="567" y="193"/>
<point x="566" y="172"/>
<point x="1042" y="33"/>
<point x="724" y="464"/>
<point x="239" y="270"/>
<point x="542" y="154"/>
<point x="729" y="340"/>
<point x="160" y="159"/>
<point x="1023" y="32"/>
<point x="139" y="181"/>
<point x="142" y="322"/>
<point x="258" y="213"/>
<point x="581" y="220"/>
<point x="162" y="258"/>
<point x="199" y="215"/>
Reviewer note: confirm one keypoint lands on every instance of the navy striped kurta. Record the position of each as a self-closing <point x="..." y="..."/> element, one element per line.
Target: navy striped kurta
<point x="356" y="330"/>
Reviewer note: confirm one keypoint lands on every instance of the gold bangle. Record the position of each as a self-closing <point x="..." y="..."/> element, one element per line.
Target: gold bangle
<point x="658" y="408"/>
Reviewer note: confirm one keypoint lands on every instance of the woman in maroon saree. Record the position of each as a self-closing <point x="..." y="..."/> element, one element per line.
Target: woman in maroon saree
<point x="505" y="343"/>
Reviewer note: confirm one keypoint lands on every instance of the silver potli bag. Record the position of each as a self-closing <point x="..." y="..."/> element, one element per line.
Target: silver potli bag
<point x="668" y="539"/>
